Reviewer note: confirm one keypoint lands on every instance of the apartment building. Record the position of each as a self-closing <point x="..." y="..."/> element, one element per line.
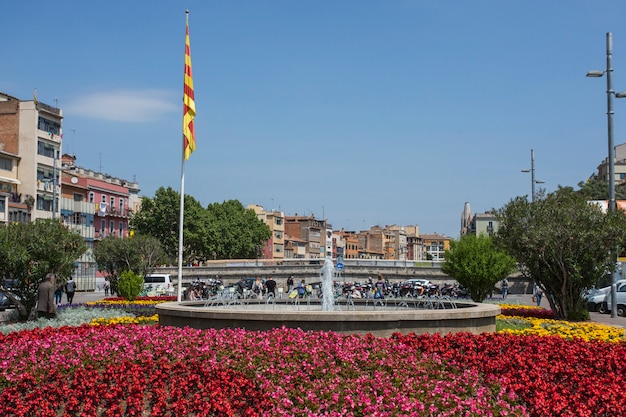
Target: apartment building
<point x="36" y="182"/>
<point x="30" y="141"/>
<point x="435" y="246"/>
<point x="309" y="230"/>
<point x="274" y="247"/>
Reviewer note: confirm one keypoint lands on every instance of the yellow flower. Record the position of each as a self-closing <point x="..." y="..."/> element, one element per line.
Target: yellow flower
<point x="126" y="320"/>
<point x="568" y="330"/>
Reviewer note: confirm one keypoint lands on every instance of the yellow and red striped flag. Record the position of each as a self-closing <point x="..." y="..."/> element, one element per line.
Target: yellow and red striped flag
<point x="189" y="104"/>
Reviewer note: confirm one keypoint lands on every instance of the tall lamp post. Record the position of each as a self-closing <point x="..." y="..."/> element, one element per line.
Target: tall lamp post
<point x="611" y="159"/>
<point x="533" y="181"/>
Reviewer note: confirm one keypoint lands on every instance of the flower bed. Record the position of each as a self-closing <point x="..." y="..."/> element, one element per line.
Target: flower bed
<point x="525" y="311"/>
<point x="153" y="370"/>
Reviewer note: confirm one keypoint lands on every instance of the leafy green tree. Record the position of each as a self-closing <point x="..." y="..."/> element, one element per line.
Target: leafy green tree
<point x="221" y="231"/>
<point x="562" y="243"/>
<point x="236" y="231"/>
<point x="597" y="189"/>
<point x="160" y="217"/>
<point x="28" y="251"/>
<point x="477" y="264"/>
<point x="139" y="254"/>
<point x="130" y="285"/>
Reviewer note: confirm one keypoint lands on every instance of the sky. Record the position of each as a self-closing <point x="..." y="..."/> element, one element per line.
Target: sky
<point x="361" y="112"/>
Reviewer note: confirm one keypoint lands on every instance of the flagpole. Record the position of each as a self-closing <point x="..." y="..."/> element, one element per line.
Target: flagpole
<point x="180" y="229"/>
<point x="189" y="145"/>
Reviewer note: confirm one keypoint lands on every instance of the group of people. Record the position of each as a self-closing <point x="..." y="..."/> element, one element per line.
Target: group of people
<point x="259" y="288"/>
<point x="50" y="294"/>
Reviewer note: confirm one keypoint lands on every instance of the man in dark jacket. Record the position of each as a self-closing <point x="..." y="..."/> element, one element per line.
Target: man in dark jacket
<point x="45" y="298"/>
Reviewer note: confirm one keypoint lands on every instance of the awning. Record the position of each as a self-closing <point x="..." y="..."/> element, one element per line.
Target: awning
<point x="10" y="180"/>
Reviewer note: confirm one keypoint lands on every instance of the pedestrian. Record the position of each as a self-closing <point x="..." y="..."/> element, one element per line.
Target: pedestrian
<point x="301" y="289"/>
<point x="289" y="284"/>
<point x="505" y="288"/>
<point x="270" y="285"/>
<point x="241" y="287"/>
<point x="70" y="288"/>
<point x="107" y="286"/>
<point x="58" y="294"/>
<point x="538" y="295"/>
<point x="45" y="298"/>
<point x="380" y="287"/>
<point x="257" y="287"/>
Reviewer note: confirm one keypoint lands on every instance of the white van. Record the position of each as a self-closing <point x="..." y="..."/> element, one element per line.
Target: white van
<point x="620" y="297"/>
<point x="154" y="281"/>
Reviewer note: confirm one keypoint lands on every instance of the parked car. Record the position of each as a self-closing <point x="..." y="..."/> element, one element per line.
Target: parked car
<point x="158" y="281"/>
<point x="5" y="302"/>
<point x="596" y="301"/>
<point x="620" y="299"/>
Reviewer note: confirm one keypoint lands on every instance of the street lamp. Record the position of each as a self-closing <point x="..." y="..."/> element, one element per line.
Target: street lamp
<point x="611" y="159"/>
<point x="533" y="181"/>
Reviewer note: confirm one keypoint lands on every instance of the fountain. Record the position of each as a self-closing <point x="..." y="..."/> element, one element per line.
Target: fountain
<point x="378" y="317"/>
<point x="328" y="273"/>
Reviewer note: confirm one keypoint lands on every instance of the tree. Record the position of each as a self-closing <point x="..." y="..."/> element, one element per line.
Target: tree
<point x="221" y="231"/>
<point x="597" y="189"/>
<point x="28" y="251"/>
<point x="160" y="217"/>
<point x="562" y="243"/>
<point x="139" y="254"/>
<point x="477" y="264"/>
<point x="237" y="231"/>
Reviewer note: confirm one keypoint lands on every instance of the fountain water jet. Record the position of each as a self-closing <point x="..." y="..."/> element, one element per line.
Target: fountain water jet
<point x="328" y="274"/>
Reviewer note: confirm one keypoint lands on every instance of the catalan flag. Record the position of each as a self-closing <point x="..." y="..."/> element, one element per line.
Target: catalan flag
<point x="189" y="105"/>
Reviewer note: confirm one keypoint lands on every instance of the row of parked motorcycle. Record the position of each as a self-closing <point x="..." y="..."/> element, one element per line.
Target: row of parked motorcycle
<point x="410" y="288"/>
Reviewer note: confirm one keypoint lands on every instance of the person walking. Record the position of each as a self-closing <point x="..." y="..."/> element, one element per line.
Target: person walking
<point x="289" y="284"/>
<point x="538" y="295"/>
<point x="45" y="298"/>
<point x="107" y="287"/>
<point x="58" y="294"/>
<point x="505" y="288"/>
<point x="70" y="288"/>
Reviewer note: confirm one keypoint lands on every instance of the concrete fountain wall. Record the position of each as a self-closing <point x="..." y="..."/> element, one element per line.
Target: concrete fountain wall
<point x="360" y="319"/>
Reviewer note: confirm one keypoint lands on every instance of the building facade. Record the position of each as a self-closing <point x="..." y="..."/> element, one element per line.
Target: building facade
<point x="274" y="247"/>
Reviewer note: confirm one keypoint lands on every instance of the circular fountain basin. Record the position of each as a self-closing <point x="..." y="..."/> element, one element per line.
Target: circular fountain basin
<point x="362" y="318"/>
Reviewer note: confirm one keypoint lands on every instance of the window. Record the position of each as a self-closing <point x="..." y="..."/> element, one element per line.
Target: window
<point x="121" y="228"/>
<point x="278" y="234"/>
<point x="121" y="205"/>
<point x="6" y="164"/>
<point x="103" y="226"/>
<point x="43" y="204"/>
<point x="78" y="197"/>
<point x="2" y="200"/>
<point x="104" y="198"/>
<point x="91" y="197"/>
<point x="112" y="202"/>
<point x="49" y="126"/>
<point x="45" y="149"/>
<point x="278" y="220"/>
<point x="111" y="227"/>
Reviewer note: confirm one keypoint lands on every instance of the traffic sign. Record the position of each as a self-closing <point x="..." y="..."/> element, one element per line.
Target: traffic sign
<point x="339" y="266"/>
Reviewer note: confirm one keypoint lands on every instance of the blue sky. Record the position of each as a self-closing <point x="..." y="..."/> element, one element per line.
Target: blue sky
<point x="362" y="112"/>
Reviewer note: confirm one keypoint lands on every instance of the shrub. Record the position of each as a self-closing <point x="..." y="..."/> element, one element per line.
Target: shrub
<point x="129" y="285"/>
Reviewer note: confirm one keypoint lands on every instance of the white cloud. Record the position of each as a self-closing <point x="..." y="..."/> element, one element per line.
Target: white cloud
<point x="123" y="105"/>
